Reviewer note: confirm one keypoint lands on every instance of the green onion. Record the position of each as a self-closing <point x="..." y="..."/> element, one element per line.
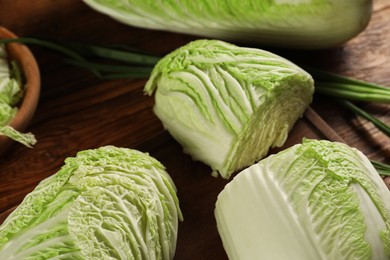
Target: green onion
<point x="46" y="44"/>
<point x="332" y="84"/>
<point x="382" y="168"/>
<point x="353" y="92"/>
<point x="50" y="45"/>
<point x="113" y="54"/>
<point x="78" y="57"/>
<point x="120" y="72"/>
<point x="360" y="112"/>
<point x="325" y="76"/>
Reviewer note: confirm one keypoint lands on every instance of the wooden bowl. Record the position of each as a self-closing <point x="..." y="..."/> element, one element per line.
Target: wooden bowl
<point x="30" y="70"/>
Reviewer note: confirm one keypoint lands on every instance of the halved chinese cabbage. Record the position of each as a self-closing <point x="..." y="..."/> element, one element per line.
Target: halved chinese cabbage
<point x="227" y="105"/>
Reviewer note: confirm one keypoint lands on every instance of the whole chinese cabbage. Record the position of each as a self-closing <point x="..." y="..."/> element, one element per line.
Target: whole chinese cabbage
<point x="107" y="203"/>
<point x="289" y="23"/>
<point x="315" y="200"/>
<point x="227" y="105"/>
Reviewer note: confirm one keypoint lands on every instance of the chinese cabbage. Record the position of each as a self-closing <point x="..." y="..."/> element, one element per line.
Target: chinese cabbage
<point x="315" y="200"/>
<point x="227" y="105"/>
<point x="106" y="203"/>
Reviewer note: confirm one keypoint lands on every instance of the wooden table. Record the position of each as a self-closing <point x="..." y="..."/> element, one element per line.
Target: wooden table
<point x="77" y="111"/>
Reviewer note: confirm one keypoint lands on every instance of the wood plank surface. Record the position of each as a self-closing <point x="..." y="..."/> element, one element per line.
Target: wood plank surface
<point x="77" y="111"/>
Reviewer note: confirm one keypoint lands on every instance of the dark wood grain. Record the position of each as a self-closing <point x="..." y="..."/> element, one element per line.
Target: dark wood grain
<point x="78" y="111"/>
<point x="366" y="57"/>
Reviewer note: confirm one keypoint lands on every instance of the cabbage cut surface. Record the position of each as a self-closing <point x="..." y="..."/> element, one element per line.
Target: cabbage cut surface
<point x="227" y="105"/>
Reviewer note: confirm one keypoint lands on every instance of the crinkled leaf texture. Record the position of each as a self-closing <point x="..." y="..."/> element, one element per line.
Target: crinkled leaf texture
<point x="315" y="200"/>
<point x="106" y="203"/>
<point x="227" y="105"/>
<point x="288" y="23"/>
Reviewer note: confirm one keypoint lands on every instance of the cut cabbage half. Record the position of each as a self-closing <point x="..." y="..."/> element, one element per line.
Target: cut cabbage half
<point x="227" y="105"/>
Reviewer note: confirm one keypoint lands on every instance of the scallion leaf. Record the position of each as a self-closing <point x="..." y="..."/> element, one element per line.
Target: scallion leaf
<point x="382" y="168"/>
<point x="353" y="92"/>
<point x="113" y="54"/>
<point x="378" y="123"/>
<point x="46" y="44"/>
<point x="123" y="71"/>
<point x="326" y="76"/>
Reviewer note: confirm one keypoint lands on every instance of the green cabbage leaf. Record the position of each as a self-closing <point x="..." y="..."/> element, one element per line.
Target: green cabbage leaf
<point x="106" y="203"/>
<point x="315" y="200"/>
<point x="227" y="105"/>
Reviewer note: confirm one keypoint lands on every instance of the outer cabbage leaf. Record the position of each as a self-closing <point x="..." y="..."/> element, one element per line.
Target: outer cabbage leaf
<point x="315" y="200"/>
<point x="28" y="139"/>
<point x="288" y="23"/>
<point x="227" y="105"/>
<point x="107" y="203"/>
